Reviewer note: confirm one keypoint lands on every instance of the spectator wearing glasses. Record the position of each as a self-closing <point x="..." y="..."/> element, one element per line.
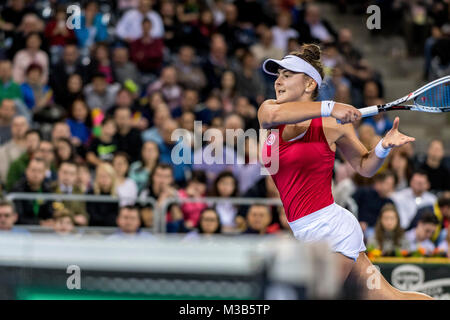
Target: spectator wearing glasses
<point x="208" y="225"/>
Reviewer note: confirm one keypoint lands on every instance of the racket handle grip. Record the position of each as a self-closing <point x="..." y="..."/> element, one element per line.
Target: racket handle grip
<point x="366" y="112"/>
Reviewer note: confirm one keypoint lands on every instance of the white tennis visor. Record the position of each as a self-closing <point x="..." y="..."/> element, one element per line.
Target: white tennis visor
<point x="294" y="64"/>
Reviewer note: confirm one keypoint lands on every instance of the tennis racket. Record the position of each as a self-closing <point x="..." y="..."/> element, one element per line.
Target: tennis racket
<point x="433" y="97"/>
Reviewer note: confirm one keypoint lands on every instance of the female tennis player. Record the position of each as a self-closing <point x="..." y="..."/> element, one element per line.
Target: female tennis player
<point x="306" y="141"/>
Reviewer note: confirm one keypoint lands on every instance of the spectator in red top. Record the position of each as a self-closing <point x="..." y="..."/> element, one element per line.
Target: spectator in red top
<point x="58" y="35"/>
<point x="146" y="51"/>
<point x="196" y="188"/>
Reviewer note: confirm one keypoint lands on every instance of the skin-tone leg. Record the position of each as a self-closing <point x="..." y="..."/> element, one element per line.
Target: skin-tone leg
<point x="385" y="290"/>
<point x="345" y="266"/>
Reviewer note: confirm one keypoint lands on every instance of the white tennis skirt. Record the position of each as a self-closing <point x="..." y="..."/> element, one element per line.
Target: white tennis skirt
<point x="336" y="226"/>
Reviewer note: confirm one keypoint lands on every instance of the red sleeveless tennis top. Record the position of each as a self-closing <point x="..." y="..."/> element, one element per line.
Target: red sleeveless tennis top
<point x="305" y="169"/>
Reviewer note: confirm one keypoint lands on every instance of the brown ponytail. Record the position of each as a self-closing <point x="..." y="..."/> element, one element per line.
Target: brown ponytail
<point x="311" y="53"/>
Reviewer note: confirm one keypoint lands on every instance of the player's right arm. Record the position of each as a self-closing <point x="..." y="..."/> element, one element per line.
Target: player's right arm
<point x="271" y="114"/>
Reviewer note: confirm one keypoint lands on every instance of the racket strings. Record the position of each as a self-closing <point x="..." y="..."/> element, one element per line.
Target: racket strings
<point x="436" y="97"/>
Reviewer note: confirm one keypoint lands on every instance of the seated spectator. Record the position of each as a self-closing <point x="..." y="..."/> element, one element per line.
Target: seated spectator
<point x="147" y="213"/>
<point x="167" y="84"/>
<point x="346" y="46"/>
<point x="208" y="225"/>
<point x="140" y="170"/>
<point x="127" y="190"/>
<point x="265" y="47"/>
<point x="103" y="147"/>
<point x="189" y="74"/>
<point x="211" y="108"/>
<point x="14" y="148"/>
<point x="195" y="188"/>
<point x="400" y="164"/>
<point x="409" y="200"/>
<point x="336" y="86"/>
<point x="28" y="23"/>
<point x="129" y="27"/>
<point x="92" y="28"/>
<point x="319" y="28"/>
<point x="259" y="217"/>
<point x="124" y="69"/>
<point x="228" y="91"/>
<point x="264" y="188"/>
<point x="370" y="200"/>
<point x="388" y="236"/>
<point x="9" y="89"/>
<point x="103" y="213"/>
<point x="216" y="62"/>
<point x="18" y="166"/>
<point x="187" y="122"/>
<point x="129" y="223"/>
<point x="31" y="54"/>
<point x="99" y="94"/>
<point x="189" y="101"/>
<point x="440" y="63"/>
<point x="441" y="210"/>
<point x="420" y="237"/>
<point x="210" y="160"/>
<point x="58" y="34"/>
<point x="128" y="138"/>
<point x="46" y="151"/>
<point x="161" y="187"/>
<point x="79" y="122"/>
<point x="147" y="52"/>
<point x="34" y="211"/>
<point x="59" y="76"/>
<point x="84" y="179"/>
<point x="63" y="222"/>
<point x="36" y="94"/>
<point x="13" y="14"/>
<point x="226" y="186"/>
<point x="247" y="112"/>
<point x="66" y="184"/>
<point x="60" y="130"/>
<point x="7" y="113"/>
<point x="161" y="114"/>
<point x="65" y="151"/>
<point x="249" y="81"/>
<point x="170" y="149"/>
<point x="438" y="174"/>
<point x="249" y="172"/>
<point x="8" y="218"/>
<point x="282" y="31"/>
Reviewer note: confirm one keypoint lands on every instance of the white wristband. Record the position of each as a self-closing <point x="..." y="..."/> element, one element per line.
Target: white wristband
<point x="380" y="151"/>
<point x="326" y="108"/>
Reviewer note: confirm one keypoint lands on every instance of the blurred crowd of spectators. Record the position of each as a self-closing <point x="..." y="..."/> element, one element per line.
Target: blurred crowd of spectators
<point x="91" y="110"/>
